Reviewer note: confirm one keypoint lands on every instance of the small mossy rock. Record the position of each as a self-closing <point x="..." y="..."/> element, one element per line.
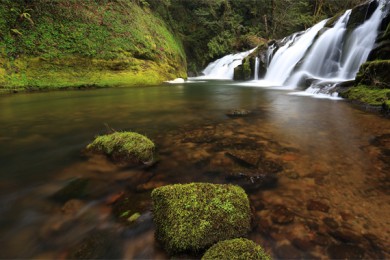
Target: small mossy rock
<point x="124" y="147"/>
<point x="192" y="217"/>
<point x="239" y="248"/>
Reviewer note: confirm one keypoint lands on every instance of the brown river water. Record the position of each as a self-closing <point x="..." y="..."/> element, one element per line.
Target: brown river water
<point x="317" y="171"/>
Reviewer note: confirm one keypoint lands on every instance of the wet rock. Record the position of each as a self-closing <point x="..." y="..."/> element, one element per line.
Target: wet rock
<point x="321" y="239"/>
<point x="312" y="225"/>
<point x="75" y="189"/>
<point x="331" y="223"/>
<point x="269" y="166"/>
<point x="317" y="205"/>
<point x="129" y="204"/>
<point x="345" y="236"/>
<point x="244" y="160"/>
<point x="73" y="206"/>
<point x="345" y="251"/>
<point x="264" y="227"/>
<point x="288" y="252"/>
<point x="98" y="245"/>
<point x="282" y="216"/>
<point x="239" y="112"/>
<point x="253" y="181"/>
<point x="303" y="244"/>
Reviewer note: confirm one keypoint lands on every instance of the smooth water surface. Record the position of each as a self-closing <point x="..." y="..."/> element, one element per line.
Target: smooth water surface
<point x="330" y="153"/>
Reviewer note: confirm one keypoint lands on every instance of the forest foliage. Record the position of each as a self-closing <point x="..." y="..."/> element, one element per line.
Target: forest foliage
<point x="107" y="29"/>
<point x="210" y="29"/>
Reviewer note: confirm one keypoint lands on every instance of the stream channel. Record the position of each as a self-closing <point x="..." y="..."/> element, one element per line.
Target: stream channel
<point x="321" y="169"/>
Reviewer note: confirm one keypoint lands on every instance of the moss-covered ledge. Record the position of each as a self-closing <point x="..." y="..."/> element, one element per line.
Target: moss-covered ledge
<point x="192" y="217"/>
<point x="33" y="73"/>
<point x="372" y="87"/>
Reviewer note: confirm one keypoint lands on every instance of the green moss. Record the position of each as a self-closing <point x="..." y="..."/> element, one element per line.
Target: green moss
<point x="86" y="43"/>
<point x="239" y="248"/>
<point x="192" y="217"/>
<point x="375" y="73"/>
<point x="124" y="146"/>
<point x="369" y="95"/>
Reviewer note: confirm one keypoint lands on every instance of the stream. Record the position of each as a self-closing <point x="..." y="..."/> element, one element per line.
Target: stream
<point x="332" y="161"/>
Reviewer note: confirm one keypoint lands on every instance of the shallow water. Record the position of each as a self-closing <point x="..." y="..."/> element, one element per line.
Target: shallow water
<point x="333" y="176"/>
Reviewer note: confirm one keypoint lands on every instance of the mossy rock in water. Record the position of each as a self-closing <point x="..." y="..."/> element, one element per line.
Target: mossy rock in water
<point x="239" y="248"/>
<point x="127" y="147"/>
<point x="192" y="217"/>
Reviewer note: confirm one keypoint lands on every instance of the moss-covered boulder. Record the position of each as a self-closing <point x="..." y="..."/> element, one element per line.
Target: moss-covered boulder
<point x="124" y="147"/>
<point x="239" y="248"/>
<point x="192" y="217"/>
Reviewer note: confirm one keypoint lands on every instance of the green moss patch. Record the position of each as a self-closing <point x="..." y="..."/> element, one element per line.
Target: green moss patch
<point x="239" y="248"/>
<point x="124" y="146"/>
<point x="369" y="95"/>
<point x="192" y="217"/>
<point x="85" y="43"/>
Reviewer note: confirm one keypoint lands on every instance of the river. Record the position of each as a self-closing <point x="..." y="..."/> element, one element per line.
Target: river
<point x="331" y="159"/>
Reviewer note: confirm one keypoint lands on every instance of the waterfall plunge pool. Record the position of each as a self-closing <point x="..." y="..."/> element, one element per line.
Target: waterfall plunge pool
<point x="331" y="161"/>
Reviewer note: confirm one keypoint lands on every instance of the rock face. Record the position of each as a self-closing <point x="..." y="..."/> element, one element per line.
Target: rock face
<point x="126" y="147"/>
<point x="239" y="248"/>
<point x="192" y="217"/>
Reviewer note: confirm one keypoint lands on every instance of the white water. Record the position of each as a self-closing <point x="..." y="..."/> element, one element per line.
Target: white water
<point x="223" y="68"/>
<point x="289" y="55"/>
<point x="336" y="58"/>
<point x="326" y="60"/>
<point x="256" y="73"/>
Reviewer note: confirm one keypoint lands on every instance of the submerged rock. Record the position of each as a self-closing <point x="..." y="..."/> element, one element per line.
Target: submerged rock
<point x="282" y="216"/>
<point x="75" y="189"/>
<point x="125" y="147"/>
<point x="317" y="205"/>
<point x="239" y="248"/>
<point x="192" y="217"/>
<point x="239" y="112"/>
<point x="97" y="245"/>
<point x="345" y="251"/>
<point x="253" y="181"/>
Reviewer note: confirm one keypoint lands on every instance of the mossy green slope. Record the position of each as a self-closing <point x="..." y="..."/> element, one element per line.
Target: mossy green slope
<point x="77" y="43"/>
<point x="192" y="217"/>
<point x="234" y="249"/>
<point x="124" y="146"/>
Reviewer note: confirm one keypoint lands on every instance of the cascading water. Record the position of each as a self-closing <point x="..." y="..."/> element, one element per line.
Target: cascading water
<point x="286" y="57"/>
<point x="256" y="72"/>
<point x="336" y="57"/>
<point x="223" y="68"/>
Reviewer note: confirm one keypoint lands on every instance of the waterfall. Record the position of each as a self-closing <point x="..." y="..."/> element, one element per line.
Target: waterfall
<point x="256" y="73"/>
<point x="334" y="57"/>
<point x="223" y="68"/>
<point x="286" y="57"/>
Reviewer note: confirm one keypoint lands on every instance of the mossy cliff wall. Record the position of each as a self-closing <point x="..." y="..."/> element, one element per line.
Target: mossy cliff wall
<point x="55" y="44"/>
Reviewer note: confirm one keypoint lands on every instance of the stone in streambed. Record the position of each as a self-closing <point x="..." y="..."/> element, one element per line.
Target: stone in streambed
<point x="253" y="181"/>
<point x="192" y="217"/>
<point x="97" y="245"/>
<point x="345" y="251"/>
<point x="239" y="248"/>
<point x="282" y="216"/>
<point x="317" y="205"/>
<point x="240" y="112"/>
<point x="75" y="189"/>
<point x="124" y="147"/>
